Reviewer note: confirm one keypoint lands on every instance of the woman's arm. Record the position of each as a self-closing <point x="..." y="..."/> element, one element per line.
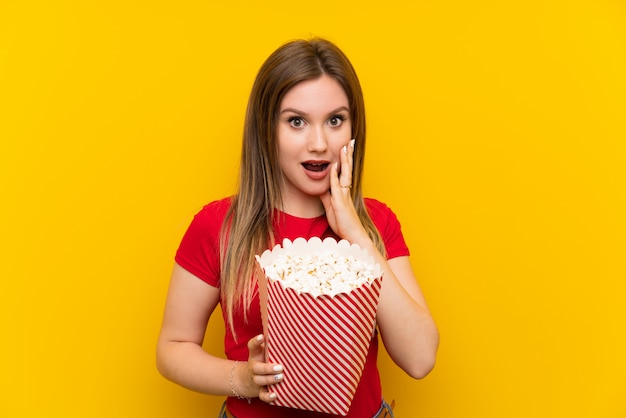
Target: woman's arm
<point x="406" y="326"/>
<point x="405" y="323"/>
<point x="180" y="356"/>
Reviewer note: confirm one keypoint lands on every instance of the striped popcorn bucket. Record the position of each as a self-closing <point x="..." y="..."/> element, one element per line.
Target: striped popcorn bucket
<point x="322" y="341"/>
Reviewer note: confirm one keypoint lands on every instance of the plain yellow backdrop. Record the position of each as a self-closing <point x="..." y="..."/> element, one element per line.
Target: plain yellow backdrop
<point x="497" y="133"/>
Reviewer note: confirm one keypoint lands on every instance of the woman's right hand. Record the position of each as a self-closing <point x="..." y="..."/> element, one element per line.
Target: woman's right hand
<point x="259" y="374"/>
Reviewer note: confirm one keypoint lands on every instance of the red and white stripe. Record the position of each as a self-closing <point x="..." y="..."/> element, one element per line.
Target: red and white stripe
<point x="322" y="342"/>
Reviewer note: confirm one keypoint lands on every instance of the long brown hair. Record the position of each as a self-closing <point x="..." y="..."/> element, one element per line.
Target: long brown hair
<point x="248" y="227"/>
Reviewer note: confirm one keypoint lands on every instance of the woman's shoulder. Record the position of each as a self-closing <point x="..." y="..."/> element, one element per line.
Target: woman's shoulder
<point x="389" y="227"/>
<point x="377" y="208"/>
<point x="213" y="213"/>
<point x="383" y="217"/>
<point x="219" y="206"/>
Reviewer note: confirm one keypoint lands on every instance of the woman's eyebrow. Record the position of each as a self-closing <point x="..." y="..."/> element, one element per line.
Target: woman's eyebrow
<point x="292" y="110"/>
<point x="341" y="109"/>
<point x="303" y="113"/>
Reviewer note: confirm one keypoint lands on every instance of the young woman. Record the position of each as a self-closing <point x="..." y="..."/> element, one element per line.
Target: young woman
<point x="300" y="176"/>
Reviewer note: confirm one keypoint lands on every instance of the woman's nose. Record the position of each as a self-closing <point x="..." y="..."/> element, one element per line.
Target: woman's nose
<point x="317" y="140"/>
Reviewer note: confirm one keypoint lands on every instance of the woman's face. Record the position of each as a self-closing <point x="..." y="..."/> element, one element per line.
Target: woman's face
<point x="313" y="126"/>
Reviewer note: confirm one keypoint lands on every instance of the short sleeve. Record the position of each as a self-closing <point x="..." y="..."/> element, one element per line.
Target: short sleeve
<point x="199" y="249"/>
<point x="389" y="228"/>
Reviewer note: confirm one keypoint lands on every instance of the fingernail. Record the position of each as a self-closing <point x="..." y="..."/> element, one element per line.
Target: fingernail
<point x="272" y="396"/>
<point x="259" y="337"/>
<point x="336" y="166"/>
<point x="278" y="368"/>
<point x="278" y="376"/>
<point x="352" y="142"/>
<point x="345" y="149"/>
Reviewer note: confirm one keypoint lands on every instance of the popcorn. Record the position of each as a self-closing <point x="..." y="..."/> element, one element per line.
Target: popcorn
<point x="324" y="273"/>
<point x="318" y="304"/>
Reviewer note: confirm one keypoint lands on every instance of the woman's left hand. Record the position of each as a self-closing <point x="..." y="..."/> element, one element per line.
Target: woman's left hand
<point x="340" y="211"/>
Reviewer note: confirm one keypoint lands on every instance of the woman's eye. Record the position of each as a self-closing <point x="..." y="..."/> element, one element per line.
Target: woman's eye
<point x="336" y="120"/>
<point x="296" y="122"/>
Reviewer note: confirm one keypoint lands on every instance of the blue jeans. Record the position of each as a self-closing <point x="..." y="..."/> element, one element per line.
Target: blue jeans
<point x="383" y="407"/>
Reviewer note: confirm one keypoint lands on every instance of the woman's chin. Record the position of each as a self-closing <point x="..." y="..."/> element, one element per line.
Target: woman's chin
<point x="321" y="190"/>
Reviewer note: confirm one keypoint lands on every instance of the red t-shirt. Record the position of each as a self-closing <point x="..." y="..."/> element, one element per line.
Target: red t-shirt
<point x="198" y="253"/>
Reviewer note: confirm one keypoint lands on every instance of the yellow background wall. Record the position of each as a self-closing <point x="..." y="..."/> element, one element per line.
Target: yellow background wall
<point x="497" y="134"/>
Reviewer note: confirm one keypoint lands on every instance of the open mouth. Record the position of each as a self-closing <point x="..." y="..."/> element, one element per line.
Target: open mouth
<point x="317" y="167"/>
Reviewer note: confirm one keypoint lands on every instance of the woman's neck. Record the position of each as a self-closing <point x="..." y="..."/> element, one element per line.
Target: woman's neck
<point x="309" y="208"/>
